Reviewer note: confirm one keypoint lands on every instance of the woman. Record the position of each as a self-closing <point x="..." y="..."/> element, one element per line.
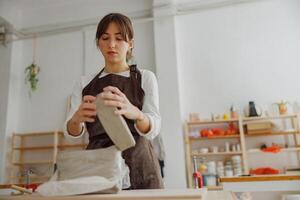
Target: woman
<point x="134" y="92"/>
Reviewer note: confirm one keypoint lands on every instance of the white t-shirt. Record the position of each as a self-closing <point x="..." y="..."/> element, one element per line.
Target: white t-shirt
<point x="150" y="106"/>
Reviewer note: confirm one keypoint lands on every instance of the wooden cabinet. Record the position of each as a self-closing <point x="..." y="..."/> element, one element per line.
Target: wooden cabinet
<point x="284" y="131"/>
<point x="33" y="155"/>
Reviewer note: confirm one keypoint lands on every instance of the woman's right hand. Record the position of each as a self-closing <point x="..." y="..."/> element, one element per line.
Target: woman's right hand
<point x="86" y="111"/>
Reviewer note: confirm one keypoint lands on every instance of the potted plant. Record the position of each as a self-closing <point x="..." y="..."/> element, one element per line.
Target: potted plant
<point x="31" y="75"/>
<point x="282" y="107"/>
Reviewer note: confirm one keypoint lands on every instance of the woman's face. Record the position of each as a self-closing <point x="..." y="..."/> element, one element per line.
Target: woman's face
<point x="113" y="46"/>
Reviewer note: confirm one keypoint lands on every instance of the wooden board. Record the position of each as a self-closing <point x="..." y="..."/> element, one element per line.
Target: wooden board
<point x="259" y="127"/>
<point x="114" y="125"/>
<point x="280" y="177"/>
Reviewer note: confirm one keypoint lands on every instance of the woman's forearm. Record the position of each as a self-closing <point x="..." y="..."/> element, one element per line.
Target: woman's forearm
<point x="143" y="123"/>
<point x="74" y="128"/>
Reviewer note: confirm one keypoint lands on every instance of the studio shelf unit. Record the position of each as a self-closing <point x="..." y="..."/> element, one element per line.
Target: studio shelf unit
<point x="285" y="129"/>
<point x="33" y="155"/>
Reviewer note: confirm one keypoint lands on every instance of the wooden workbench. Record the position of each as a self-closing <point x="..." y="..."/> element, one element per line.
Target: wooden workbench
<point x="166" y="194"/>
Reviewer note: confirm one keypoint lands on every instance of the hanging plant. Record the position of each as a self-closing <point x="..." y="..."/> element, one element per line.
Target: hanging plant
<point x="31" y="75"/>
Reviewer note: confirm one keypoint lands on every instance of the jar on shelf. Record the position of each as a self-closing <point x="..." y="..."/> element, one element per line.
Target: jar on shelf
<point x="209" y="180"/>
<point x="227" y="147"/>
<point x="202" y="168"/>
<point x="220" y="169"/>
<point x="211" y="167"/>
<point x="228" y="169"/>
<point x="237" y="165"/>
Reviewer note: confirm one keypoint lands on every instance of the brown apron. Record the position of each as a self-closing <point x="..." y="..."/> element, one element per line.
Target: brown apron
<point x="141" y="159"/>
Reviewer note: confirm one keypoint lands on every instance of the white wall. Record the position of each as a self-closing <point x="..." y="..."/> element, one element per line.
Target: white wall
<point x="5" y="56"/>
<point x="53" y="12"/>
<point x="60" y="60"/>
<point x="11" y="12"/>
<point x="239" y="53"/>
<point x="5" y="68"/>
<point x="16" y="74"/>
<point x="170" y="108"/>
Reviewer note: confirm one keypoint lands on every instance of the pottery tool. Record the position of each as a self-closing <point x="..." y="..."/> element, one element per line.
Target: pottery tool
<point x="21" y="190"/>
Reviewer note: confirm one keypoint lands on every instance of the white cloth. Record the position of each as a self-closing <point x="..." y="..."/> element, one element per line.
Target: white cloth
<point x="84" y="185"/>
<point x="88" y="171"/>
<point x="150" y="107"/>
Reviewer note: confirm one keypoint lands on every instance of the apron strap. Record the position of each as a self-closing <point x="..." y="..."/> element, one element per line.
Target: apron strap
<point x="102" y="70"/>
<point x="134" y="72"/>
<point x="136" y="80"/>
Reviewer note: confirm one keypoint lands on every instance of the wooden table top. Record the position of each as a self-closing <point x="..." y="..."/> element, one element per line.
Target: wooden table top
<point x="165" y="194"/>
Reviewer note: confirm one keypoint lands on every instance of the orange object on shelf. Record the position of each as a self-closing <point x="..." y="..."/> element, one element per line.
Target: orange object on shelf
<point x="214" y="132"/>
<point x="264" y="170"/>
<point x="218" y="131"/>
<point x="272" y="149"/>
<point x="205" y="132"/>
<point x="232" y="129"/>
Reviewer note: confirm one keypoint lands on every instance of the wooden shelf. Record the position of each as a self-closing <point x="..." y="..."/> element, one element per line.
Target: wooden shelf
<point x="245" y="119"/>
<point x="269" y="118"/>
<point x="38" y="133"/>
<point x="37" y="144"/>
<point x="32" y="177"/>
<point x="216" y="154"/>
<point x="195" y="123"/>
<point x="282" y="150"/>
<point x="49" y="147"/>
<point x="215" y="137"/>
<point x="272" y="133"/>
<point x="34" y="162"/>
<point x="71" y="145"/>
<point x="278" y="177"/>
<point x="33" y="148"/>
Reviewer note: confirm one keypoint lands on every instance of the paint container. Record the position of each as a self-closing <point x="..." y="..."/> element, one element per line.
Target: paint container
<point x="209" y="180"/>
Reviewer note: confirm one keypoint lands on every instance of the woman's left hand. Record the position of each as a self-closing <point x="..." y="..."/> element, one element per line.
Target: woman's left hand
<point x="112" y="96"/>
